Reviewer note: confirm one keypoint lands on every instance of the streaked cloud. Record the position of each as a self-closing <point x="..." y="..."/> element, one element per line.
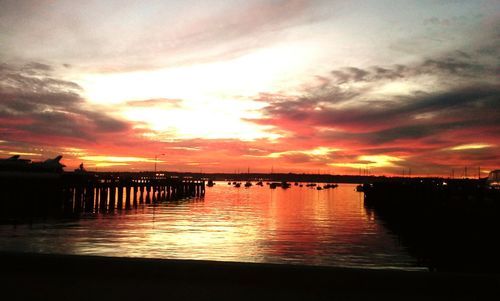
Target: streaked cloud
<point x="371" y="161"/>
<point x="116" y="159"/>
<point x="471" y="146"/>
<point x="319" y="151"/>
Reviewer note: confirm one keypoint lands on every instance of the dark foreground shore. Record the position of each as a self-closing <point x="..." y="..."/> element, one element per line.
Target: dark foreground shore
<point x="66" y="277"/>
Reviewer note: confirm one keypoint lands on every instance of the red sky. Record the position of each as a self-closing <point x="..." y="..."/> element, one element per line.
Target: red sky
<point x="293" y="86"/>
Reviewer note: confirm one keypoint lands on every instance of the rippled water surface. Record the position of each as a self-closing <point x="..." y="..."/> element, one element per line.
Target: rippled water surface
<point x="298" y="225"/>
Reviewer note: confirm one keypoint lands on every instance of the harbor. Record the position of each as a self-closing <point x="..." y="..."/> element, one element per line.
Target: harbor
<point x="389" y="238"/>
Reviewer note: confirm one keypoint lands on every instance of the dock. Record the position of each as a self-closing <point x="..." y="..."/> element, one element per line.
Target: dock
<point x="448" y="225"/>
<point x="25" y="196"/>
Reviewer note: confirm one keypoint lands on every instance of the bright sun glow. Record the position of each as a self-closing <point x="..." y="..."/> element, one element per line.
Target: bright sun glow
<point x="215" y="98"/>
<point x="248" y="75"/>
<point x="210" y="119"/>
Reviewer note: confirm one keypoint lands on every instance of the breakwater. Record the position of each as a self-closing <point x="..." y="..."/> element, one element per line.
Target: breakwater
<point x="450" y="225"/>
<point x="32" y="195"/>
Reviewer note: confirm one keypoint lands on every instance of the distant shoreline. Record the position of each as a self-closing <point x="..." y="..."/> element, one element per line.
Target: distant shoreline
<point x="72" y="277"/>
<point x="289" y="177"/>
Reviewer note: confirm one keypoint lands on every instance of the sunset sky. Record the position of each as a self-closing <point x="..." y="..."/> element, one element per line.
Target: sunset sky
<point x="223" y="86"/>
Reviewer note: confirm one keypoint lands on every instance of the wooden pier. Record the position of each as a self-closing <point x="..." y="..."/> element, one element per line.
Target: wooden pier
<point x="449" y="225"/>
<point x="52" y="195"/>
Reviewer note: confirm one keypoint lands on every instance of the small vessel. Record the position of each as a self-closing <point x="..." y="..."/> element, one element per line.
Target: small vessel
<point x="210" y="183"/>
<point x="237" y="185"/>
<point x="259" y="183"/>
<point x="15" y="164"/>
<point x="328" y="186"/>
<point x="285" y="185"/>
<point x="248" y="184"/>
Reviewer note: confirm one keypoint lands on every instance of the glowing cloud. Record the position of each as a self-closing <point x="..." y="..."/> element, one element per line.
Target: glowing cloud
<point x="319" y="151"/>
<point x="117" y="159"/>
<point x="20" y="153"/>
<point x="471" y="146"/>
<point x="370" y="161"/>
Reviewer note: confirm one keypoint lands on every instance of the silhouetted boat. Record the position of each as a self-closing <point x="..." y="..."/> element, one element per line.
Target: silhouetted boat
<point x="328" y="186"/>
<point x="260" y="183"/>
<point x="237" y="185"/>
<point x="248" y="184"/>
<point x="285" y="185"/>
<point x="15" y="164"/>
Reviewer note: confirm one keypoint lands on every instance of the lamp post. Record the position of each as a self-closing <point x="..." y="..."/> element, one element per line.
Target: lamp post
<point x="156" y="159"/>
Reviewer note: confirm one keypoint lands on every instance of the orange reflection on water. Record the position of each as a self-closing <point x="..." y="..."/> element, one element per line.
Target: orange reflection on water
<point x="308" y="224"/>
<point x="258" y="224"/>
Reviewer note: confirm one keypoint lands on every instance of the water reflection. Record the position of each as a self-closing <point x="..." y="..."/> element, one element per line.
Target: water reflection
<point x="258" y="224"/>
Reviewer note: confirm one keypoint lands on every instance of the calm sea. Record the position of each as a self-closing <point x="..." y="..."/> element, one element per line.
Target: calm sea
<point x="299" y="225"/>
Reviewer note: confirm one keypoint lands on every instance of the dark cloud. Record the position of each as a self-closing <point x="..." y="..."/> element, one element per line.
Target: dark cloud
<point x="416" y="132"/>
<point x="467" y="107"/>
<point x="37" y="104"/>
<point x="465" y="81"/>
<point x="459" y="63"/>
<point x="33" y="78"/>
<point x="105" y="123"/>
<point x="36" y="68"/>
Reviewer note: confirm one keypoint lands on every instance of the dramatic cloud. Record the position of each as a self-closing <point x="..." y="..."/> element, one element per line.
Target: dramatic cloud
<point x="457" y="101"/>
<point x="34" y="104"/>
<point x="288" y="85"/>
